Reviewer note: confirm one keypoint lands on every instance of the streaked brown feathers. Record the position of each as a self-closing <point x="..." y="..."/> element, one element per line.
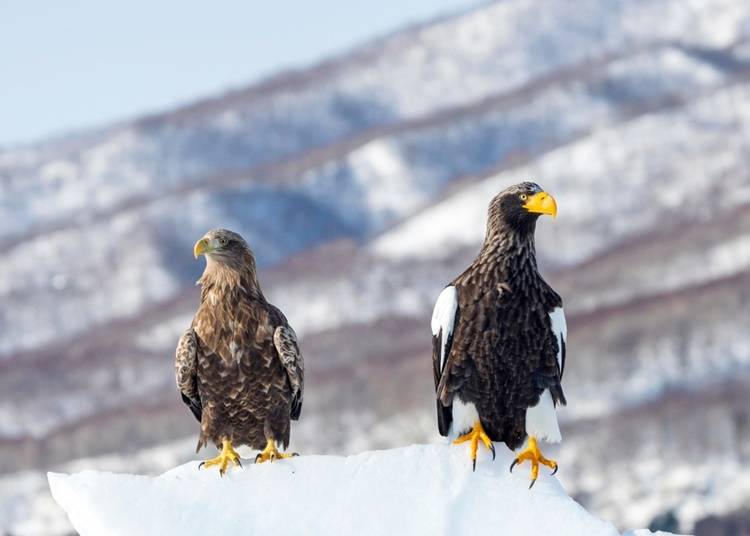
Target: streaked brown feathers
<point x="239" y="365"/>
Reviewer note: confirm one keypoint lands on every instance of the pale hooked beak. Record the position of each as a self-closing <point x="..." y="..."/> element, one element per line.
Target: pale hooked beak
<point x="541" y="203"/>
<point x="201" y="247"/>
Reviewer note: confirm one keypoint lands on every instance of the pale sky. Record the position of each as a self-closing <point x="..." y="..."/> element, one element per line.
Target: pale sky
<point x="74" y="63"/>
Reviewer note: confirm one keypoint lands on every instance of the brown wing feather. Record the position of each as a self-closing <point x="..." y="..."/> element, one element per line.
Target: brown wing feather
<point x="285" y="340"/>
<point x="246" y="388"/>
<point x="185" y="364"/>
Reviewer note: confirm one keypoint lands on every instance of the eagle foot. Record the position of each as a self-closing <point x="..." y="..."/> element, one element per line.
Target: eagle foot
<point x="476" y="435"/>
<point x="271" y="453"/>
<point x="534" y="455"/>
<point x="227" y="455"/>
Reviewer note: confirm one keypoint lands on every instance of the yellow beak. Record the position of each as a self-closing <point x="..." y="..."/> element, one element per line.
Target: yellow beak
<point x="201" y="247"/>
<point x="541" y="203"/>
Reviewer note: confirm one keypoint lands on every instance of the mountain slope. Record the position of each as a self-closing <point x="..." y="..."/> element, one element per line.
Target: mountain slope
<point x="362" y="184"/>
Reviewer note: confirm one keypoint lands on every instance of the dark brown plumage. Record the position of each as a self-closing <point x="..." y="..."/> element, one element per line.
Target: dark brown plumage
<point x="238" y="367"/>
<point x="495" y="348"/>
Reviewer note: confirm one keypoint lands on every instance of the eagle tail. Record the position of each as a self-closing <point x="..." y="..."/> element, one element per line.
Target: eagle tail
<point x="296" y="409"/>
<point x="195" y="406"/>
<point x="445" y="417"/>
<point x="558" y="396"/>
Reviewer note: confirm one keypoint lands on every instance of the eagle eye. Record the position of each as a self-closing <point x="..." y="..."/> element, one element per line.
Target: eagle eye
<point x="524" y="197"/>
<point x="223" y="241"/>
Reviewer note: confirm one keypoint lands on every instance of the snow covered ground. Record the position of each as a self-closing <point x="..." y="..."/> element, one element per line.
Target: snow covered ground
<point x="420" y="489"/>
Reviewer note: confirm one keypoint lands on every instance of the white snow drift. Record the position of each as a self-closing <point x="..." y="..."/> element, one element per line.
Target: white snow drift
<point x="421" y="489"/>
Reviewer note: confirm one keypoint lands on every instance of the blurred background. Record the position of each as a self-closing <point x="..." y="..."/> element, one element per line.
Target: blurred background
<point x="356" y="148"/>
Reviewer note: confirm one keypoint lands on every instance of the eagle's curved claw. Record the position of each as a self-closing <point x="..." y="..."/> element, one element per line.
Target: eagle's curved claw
<point x="476" y="435"/>
<point x="227" y="455"/>
<point x="271" y="453"/>
<point x="474" y="462"/>
<point x="534" y="455"/>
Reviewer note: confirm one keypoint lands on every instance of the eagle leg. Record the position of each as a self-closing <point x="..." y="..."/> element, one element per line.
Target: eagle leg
<point x="227" y="454"/>
<point x="476" y="435"/>
<point x="534" y="455"/>
<point x="271" y="453"/>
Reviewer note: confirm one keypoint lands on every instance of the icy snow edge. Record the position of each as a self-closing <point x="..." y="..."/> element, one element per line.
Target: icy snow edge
<point x="420" y="489"/>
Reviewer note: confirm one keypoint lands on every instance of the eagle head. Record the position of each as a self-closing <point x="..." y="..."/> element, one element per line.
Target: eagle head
<point x="519" y="206"/>
<point x="223" y="246"/>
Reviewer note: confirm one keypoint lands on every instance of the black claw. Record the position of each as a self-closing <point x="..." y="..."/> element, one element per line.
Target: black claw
<point x="239" y="462"/>
<point x="474" y="465"/>
<point x="492" y="448"/>
<point x="295" y="454"/>
<point x="532" y="483"/>
<point x="555" y="471"/>
<point x="256" y="458"/>
<point x="513" y="465"/>
<point x="201" y="465"/>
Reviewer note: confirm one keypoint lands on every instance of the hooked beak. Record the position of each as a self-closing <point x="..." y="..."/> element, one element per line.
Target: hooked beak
<point x="541" y="203"/>
<point x="201" y="247"/>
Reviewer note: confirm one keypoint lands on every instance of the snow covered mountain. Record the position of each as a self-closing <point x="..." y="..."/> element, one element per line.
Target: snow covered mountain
<point x="362" y="184"/>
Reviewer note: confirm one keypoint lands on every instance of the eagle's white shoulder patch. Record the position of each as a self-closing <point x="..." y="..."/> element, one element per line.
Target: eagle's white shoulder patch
<point x="444" y="317"/>
<point x="560" y="329"/>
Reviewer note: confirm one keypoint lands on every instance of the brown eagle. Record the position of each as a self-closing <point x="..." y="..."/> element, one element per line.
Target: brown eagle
<point x="238" y="367"/>
<point x="499" y="338"/>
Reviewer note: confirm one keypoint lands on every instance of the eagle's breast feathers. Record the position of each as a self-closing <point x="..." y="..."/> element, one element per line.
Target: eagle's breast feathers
<point x="239" y="367"/>
<point x="484" y="356"/>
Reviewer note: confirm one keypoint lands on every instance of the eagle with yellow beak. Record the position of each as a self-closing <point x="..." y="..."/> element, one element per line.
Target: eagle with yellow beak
<point x="238" y="366"/>
<point x="499" y="338"/>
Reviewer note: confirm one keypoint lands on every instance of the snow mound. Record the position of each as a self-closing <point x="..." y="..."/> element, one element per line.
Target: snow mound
<point x="421" y="489"/>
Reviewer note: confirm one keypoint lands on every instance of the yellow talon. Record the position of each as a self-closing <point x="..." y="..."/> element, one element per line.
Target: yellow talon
<point x="534" y="455"/>
<point x="476" y="435"/>
<point x="227" y="454"/>
<point x="271" y="453"/>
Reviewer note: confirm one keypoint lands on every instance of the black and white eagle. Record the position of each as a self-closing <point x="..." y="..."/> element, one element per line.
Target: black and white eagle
<point x="499" y="338"/>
